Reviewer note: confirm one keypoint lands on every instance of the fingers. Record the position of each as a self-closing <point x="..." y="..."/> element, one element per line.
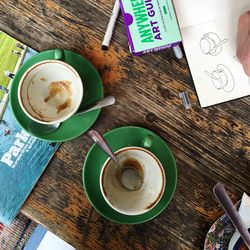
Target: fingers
<point x="245" y="58"/>
<point x="243" y="42"/>
<point x="243" y="33"/>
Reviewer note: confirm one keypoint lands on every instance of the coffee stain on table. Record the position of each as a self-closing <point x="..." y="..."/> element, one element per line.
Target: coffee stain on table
<point x="108" y="63"/>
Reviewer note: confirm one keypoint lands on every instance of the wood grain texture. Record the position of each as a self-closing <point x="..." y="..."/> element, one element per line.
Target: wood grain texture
<point x="210" y="145"/>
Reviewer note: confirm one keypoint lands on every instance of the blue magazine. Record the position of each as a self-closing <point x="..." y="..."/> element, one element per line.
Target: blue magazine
<point x="23" y="158"/>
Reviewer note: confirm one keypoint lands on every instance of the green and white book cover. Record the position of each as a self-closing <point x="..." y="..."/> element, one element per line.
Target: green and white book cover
<point x="151" y="25"/>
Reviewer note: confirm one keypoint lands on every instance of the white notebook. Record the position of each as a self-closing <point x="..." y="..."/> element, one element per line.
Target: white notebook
<point x="209" y="31"/>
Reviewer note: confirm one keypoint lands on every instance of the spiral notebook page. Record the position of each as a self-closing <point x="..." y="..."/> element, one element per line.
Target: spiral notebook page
<point x="210" y="48"/>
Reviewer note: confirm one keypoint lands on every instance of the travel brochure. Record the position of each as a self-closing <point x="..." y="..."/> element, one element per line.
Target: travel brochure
<point x="23" y="158"/>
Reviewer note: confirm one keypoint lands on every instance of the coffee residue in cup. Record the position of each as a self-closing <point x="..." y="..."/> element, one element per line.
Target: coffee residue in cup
<point x="62" y="91"/>
<point x="131" y="163"/>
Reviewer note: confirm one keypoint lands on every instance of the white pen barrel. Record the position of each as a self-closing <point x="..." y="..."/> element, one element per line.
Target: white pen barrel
<point x="111" y="25"/>
<point x="177" y="51"/>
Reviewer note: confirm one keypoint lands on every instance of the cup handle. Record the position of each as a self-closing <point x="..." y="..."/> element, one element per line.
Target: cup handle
<point x="59" y="54"/>
<point x="147" y="142"/>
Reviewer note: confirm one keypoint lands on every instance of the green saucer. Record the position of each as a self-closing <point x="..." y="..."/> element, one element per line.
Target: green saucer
<point x="120" y="138"/>
<point x="93" y="91"/>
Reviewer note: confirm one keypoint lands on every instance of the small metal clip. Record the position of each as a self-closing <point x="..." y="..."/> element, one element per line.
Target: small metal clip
<point x="185" y="99"/>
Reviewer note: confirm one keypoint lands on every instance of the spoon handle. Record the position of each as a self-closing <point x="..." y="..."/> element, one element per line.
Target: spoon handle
<point x="225" y="201"/>
<point x="101" y="142"/>
<point x="107" y="101"/>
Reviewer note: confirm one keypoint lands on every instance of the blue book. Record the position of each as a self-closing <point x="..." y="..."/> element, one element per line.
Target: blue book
<point x="23" y="158"/>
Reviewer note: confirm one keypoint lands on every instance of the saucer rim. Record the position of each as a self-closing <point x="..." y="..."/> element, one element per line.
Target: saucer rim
<point x="136" y="220"/>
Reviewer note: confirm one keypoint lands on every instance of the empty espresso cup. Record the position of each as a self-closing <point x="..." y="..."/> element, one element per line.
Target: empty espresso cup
<point x="133" y="202"/>
<point x="50" y="91"/>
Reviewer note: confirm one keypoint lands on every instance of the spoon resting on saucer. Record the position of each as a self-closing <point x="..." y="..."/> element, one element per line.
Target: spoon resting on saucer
<point x="129" y="177"/>
<point x="226" y="203"/>
<point x="36" y="128"/>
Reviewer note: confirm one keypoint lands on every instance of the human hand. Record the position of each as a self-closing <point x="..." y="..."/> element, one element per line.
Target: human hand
<point x="243" y="42"/>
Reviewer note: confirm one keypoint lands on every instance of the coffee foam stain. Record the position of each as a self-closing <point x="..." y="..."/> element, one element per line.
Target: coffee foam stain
<point x="164" y="184"/>
<point x="131" y="162"/>
<point x="35" y="110"/>
<point x="60" y="89"/>
<point x="65" y="105"/>
<point x="135" y="164"/>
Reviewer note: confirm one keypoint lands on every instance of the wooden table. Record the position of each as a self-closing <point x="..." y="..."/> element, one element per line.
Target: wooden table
<point x="209" y="145"/>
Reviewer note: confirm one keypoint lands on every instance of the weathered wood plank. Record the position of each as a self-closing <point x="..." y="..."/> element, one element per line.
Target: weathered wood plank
<point x="209" y="145"/>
